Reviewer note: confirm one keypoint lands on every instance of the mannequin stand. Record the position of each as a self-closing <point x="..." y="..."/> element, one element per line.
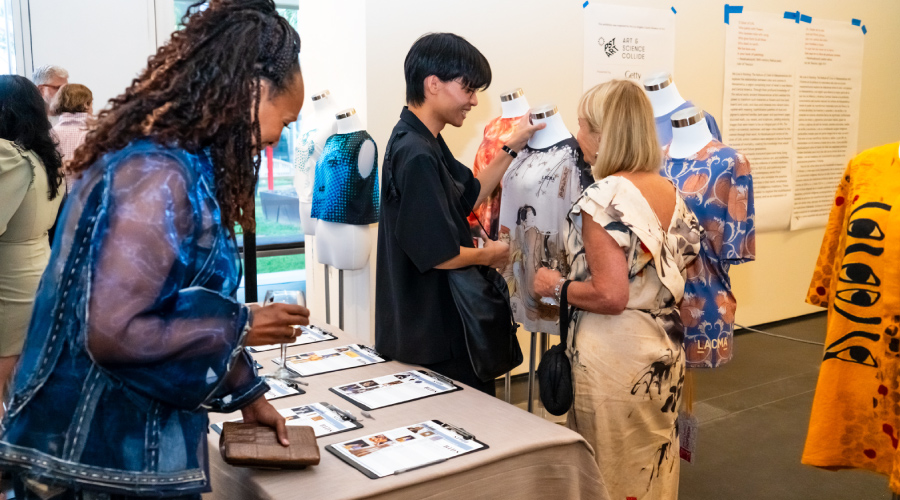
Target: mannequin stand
<point x="327" y="295"/>
<point x="507" y="387"/>
<point x="341" y="299"/>
<point x="531" y="371"/>
<point x="340" y="296"/>
<point x="532" y="359"/>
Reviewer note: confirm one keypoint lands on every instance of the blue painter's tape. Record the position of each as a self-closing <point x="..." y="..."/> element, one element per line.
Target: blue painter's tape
<point x="864" y="29"/>
<point x="674" y="11"/>
<point x="584" y="5"/>
<point x="732" y="9"/>
<point x="794" y="16"/>
<point x="856" y="22"/>
<point x="805" y="19"/>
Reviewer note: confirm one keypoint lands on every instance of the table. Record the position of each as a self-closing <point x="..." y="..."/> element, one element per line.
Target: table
<point x="527" y="457"/>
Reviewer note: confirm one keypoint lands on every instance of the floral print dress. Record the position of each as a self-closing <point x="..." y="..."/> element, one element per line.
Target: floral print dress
<point x="628" y="369"/>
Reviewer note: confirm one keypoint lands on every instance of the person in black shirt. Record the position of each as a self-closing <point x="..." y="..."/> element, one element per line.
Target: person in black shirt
<point x="426" y="197"/>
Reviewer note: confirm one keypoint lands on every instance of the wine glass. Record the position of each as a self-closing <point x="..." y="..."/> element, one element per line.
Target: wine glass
<point x="293" y="297"/>
<point x="549" y="244"/>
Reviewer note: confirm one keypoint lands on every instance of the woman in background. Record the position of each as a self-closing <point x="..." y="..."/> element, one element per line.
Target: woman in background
<point x="30" y="194"/>
<point x="137" y="333"/>
<point x="633" y="233"/>
<point x="74" y="105"/>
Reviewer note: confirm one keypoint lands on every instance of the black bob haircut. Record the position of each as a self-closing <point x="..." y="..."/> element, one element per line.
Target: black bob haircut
<point x="448" y="57"/>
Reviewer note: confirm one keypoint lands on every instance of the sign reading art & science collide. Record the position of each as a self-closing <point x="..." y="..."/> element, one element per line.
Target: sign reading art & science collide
<point x="626" y="42"/>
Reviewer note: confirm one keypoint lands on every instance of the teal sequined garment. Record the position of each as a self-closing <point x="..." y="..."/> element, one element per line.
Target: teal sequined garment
<point x="341" y="194"/>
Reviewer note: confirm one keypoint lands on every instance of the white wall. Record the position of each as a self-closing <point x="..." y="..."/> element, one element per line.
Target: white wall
<point x="333" y="57"/>
<point x="537" y="45"/>
<point x="103" y="44"/>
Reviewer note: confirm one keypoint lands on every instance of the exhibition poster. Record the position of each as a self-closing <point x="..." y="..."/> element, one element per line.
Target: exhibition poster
<point x="627" y="42"/>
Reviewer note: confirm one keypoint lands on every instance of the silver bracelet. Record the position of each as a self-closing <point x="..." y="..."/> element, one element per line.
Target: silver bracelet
<point x="557" y="292"/>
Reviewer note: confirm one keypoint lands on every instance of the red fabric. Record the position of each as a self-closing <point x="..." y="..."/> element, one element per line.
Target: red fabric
<point x="497" y="132"/>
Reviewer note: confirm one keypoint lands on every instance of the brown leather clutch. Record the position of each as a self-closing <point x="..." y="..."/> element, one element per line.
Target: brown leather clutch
<point x="254" y="445"/>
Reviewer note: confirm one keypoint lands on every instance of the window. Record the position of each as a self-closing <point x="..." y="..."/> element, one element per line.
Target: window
<point x="276" y="250"/>
<point x="7" y="39"/>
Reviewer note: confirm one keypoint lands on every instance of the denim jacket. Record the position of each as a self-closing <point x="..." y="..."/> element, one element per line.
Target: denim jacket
<point x="135" y="333"/>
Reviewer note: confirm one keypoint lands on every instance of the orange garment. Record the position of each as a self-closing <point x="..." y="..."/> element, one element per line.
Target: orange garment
<point x="855" y="420"/>
<point x="497" y="132"/>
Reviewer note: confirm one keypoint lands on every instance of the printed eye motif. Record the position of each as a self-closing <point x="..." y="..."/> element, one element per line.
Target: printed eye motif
<point x="854" y="354"/>
<point x="865" y="229"/>
<point x="859" y="274"/>
<point x="848" y="348"/>
<point x="858" y="297"/>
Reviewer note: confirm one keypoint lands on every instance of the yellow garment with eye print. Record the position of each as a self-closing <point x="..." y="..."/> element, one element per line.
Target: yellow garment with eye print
<point x="855" y="420"/>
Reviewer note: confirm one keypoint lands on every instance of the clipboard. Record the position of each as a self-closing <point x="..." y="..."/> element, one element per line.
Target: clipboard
<point x="361" y="386"/>
<point x="278" y="386"/>
<point x="309" y="335"/>
<point x="346" y="419"/>
<point x="365" y="351"/>
<point x="467" y="437"/>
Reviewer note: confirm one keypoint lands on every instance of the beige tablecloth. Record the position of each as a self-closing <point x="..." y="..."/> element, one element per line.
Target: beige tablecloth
<point x="527" y="457"/>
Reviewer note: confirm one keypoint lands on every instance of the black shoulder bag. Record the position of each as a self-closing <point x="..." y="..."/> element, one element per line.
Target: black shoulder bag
<point x="482" y="300"/>
<point x="555" y="371"/>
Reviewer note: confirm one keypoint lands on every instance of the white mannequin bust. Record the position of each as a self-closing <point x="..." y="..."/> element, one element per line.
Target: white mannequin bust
<point x="347" y="246"/>
<point x="690" y="133"/>
<point x="554" y="132"/>
<point x="663" y="93"/>
<point x="513" y="104"/>
<point x="323" y="120"/>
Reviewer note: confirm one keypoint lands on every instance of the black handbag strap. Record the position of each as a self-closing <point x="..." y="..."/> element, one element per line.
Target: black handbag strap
<point x="564" y="314"/>
<point x="459" y="194"/>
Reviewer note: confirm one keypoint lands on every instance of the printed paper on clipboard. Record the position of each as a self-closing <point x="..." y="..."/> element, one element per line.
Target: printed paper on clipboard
<point x="331" y="360"/>
<point x="389" y="390"/>
<point x="308" y="335"/>
<point x="406" y="449"/>
<point x="279" y="389"/>
<point x="324" y="418"/>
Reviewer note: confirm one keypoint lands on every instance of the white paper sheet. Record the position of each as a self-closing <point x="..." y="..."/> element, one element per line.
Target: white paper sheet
<point x="330" y="360"/>
<point x="279" y="389"/>
<point x="393" y="389"/>
<point x="760" y="62"/>
<point x="308" y="335"/>
<point x="829" y="79"/>
<point x="626" y="42"/>
<point x="792" y="106"/>
<point x="324" y="419"/>
<point x="390" y="452"/>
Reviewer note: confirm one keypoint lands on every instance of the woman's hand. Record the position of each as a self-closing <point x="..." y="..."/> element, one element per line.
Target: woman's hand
<point x="262" y="412"/>
<point x="524" y="130"/>
<point x="545" y="281"/>
<point x="273" y="324"/>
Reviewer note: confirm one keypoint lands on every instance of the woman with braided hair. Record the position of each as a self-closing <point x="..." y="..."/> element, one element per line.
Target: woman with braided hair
<point x="136" y="332"/>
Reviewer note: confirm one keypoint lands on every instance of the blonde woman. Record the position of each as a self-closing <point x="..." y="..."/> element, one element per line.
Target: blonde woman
<point x="73" y="105"/>
<point x="633" y="232"/>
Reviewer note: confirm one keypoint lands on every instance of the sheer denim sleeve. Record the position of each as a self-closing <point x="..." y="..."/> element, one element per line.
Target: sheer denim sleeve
<point x="177" y="344"/>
